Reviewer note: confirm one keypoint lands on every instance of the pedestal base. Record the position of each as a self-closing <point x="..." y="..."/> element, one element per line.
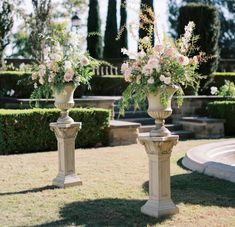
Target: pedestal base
<point x="156" y="208"/>
<point x="66" y="181"/>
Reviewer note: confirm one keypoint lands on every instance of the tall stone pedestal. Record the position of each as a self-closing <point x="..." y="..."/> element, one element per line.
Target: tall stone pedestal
<point x="66" y="135"/>
<point x="159" y="151"/>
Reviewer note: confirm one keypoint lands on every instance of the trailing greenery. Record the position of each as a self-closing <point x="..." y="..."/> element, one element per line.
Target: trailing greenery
<point x="28" y="130"/>
<point x="111" y="45"/>
<point x="229" y="74"/>
<point x="94" y="38"/>
<point x="224" y="110"/>
<point x="207" y="28"/>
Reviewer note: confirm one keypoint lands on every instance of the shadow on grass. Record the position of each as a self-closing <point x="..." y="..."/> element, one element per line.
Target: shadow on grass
<point x="104" y="212"/>
<point x="33" y="190"/>
<point x="196" y="188"/>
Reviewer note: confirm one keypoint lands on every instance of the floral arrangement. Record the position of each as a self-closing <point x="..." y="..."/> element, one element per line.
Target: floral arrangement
<point x="168" y="63"/>
<point x="227" y="90"/>
<point x="62" y="65"/>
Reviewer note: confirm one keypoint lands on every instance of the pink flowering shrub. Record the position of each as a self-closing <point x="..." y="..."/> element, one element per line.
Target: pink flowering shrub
<point x="62" y="65"/>
<point x="168" y="63"/>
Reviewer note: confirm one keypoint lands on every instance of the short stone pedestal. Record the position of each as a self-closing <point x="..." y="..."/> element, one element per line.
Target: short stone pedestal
<point x="159" y="151"/>
<point x="66" y="135"/>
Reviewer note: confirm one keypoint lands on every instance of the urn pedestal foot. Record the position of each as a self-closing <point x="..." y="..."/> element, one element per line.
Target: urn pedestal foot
<point x="66" y="135"/>
<point x="159" y="151"/>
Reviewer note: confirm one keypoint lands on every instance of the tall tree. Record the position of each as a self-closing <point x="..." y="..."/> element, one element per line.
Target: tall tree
<point x="39" y="23"/>
<point x="6" y="23"/>
<point x="94" y="38"/>
<point x="146" y="19"/>
<point x="111" y="45"/>
<point x="123" y="28"/>
<point x="227" y="20"/>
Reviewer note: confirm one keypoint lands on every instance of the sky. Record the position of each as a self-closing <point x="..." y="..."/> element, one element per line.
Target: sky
<point x="160" y="7"/>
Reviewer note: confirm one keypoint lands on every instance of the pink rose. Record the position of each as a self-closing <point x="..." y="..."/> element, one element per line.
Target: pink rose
<point x="183" y="60"/>
<point x="68" y="76"/>
<point x="84" y="61"/>
<point x="153" y="63"/>
<point x="158" y="48"/>
<point x="170" y="52"/>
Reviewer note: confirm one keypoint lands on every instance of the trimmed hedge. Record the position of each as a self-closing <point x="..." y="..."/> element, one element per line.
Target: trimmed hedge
<point x="107" y="85"/>
<point x="100" y="85"/>
<point x="224" y="110"/>
<point x="28" y="130"/>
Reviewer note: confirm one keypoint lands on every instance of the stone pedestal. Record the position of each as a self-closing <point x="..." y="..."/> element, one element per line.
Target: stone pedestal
<point x="66" y="135"/>
<point x="159" y="152"/>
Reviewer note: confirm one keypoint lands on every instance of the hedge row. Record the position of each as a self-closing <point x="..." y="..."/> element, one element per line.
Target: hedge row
<point x="224" y="110"/>
<point x="28" y="130"/>
<point x="23" y="87"/>
<point x="100" y="85"/>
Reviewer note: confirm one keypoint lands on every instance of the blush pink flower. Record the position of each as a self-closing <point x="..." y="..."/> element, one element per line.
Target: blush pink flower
<point x="153" y="63"/>
<point x="68" y="76"/>
<point x="170" y="52"/>
<point x="158" y="48"/>
<point x="84" y="61"/>
<point x="41" y="81"/>
<point x="183" y="60"/>
<point x="195" y="60"/>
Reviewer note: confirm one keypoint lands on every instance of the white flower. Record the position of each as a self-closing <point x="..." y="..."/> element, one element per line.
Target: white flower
<point x="35" y="85"/>
<point x="214" y="90"/>
<point x="124" y="51"/>
<point x="162" y="78"/>
<point x="11" y="92"/>
<point x="124" y="67"/>
<point x="150" y="80"/>
<point x="167" y="80"/>
<point x="67" y="65"/>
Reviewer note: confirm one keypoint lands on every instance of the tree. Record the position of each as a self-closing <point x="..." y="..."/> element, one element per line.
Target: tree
<point x="111" y="45"/>
<point x="94" y="38"/>
<point x="227" y="20"/>
<point x="207" y="28"/>
<point x="146" y="19"/>
<point x="6" y="23"/>
<point x="39" y="23"/>
<point x="123" y="28"/>
<point x="21" y="45"/>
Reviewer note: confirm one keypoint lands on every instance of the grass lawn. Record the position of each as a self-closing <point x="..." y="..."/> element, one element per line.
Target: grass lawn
<point x="115" y="182"/>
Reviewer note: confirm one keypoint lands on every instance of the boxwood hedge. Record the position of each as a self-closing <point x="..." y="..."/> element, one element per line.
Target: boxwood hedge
<point x="224" y="110"/>
<point x="28" y="130"/>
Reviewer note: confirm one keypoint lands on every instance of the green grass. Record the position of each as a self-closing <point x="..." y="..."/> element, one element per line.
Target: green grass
<point x="115" y="186"/>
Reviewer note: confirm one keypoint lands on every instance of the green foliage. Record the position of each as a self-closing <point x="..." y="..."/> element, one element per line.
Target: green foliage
<point x="6" y="24"/>
<point x="224" y="110"/>
<point x="146" y="15"/>
<point x="24" y="131"/>
<point x="111" y="45"/>
<point x="94" y="38"/>
<point x="207" y="28"/>
<point x="123" y="28"/>
<point x="21" y="45"/>
<point x="227" y="90"/>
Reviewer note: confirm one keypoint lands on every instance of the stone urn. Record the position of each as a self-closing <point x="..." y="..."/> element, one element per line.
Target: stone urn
<point x="64" y="101"/>
<point x="157" y="111"/>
